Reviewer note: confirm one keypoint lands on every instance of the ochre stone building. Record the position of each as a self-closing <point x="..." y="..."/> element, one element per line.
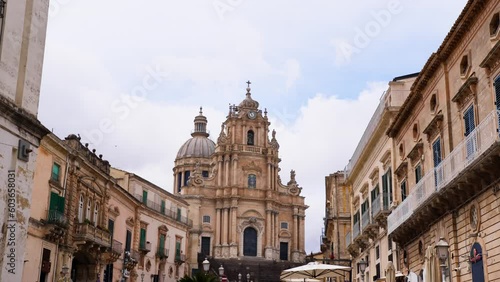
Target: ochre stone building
<point x="243" y="216"/>
<point x="439" y="161"/>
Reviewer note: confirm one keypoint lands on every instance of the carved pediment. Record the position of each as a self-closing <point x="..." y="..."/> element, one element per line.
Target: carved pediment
<point x="251" y="167"/>
<point x="373" y="176"/>
<point x="402" y="170"/>
<point x="130" y="221"/>
<point x="434" y="127"/>
<point x="492" y="58"/>
<point x="416" y="152"/>
<point x="466" y="92"/>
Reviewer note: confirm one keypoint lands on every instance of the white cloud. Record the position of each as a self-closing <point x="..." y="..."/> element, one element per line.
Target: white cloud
<point x="284" y="47"/>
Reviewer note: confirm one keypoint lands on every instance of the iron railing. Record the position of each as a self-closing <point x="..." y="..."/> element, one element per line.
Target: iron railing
<point x="56" y="217"/>
<point x="464" y="154"/>
<point x="161" y="209"/>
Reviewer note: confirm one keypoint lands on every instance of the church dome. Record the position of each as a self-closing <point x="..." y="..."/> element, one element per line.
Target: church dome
<point x="199" y="146"/>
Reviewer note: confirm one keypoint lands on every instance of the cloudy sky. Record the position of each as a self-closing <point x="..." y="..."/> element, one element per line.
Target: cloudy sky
<point x="129" y="76"/>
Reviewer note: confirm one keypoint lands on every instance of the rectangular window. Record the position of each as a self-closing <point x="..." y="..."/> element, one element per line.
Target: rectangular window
<point x="283" y="251"/>
<point x="56" y="203"/>
<point x="204" y="173"/>
<point x="205" y="246"/>
<point x="284" y="225"/>
<point x="497" y="98"/>
<point x="178" y="249"/>
<point x="471" y="143"/>
<point x="187" y="173"/>
<point x="377" y="252"/>
<point x="356" y="217"/>
<point x="387" y="188"/>
<point x="377" y="269"/>
<point x="404" y="192"/>
<point x="128" y="241"/>
<point x="437" y="157"/>
<point x="55" y="172"/>
<point x="162" y="207"/>
<point x="374" y="193"/>
<point x="364" y="207"/>
<point x="179" y="216"/>
<point x="179" y="182"/>
<point x="162" y="242"/>
<point x="142" y="241"/>
<point x="145" y="197"/>
<point x="418" y="173"/>
<point x="111" y="227"/>
<point x="206" y="219"/>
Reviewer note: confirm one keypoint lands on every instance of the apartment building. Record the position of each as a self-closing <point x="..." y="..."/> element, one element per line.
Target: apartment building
<point x="23" y="25"/>
<point x="370" y="174"/>
<point x="85" y="226"/>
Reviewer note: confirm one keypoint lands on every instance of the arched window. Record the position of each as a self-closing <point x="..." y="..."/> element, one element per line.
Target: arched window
<point x="250" y="137"/>
<point x="80" y="209"/>
<point x="252" y="181"/>
<point x="87" y="214"/>
<point x="96" y="214"/>
<point x="250" y="242"/>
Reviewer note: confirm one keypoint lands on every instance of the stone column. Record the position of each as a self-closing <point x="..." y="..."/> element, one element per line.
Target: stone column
<point x="268" y="228"/>
<point x="219" y="171"/>
<point x="226" y="170"/>
<point x="235" y="167"/>
<point x="217" y="226"/>
<point x="295" y="236"/>
<point x="224" y="226"/>
<point x="270" y="185"/>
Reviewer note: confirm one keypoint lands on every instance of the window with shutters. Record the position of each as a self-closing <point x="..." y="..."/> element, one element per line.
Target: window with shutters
<point x="80" y="209"/>
<point x="89" y="209"/>
<point x="497" y="99"/>
<point x="437" y="158"/>
<point x="187" y="173"/>
<point x="55" y="172"/>
<point x="128" y="240"/>
<point x="284" y="225"/>
<point x="404" y="192"/>
<point x="96" y="214"/>
<point x="469" y="126"/>
<point x="142" y="240"/>
<point x="162" y="207"/>
<point x="250" y="137"/>
<point x="418" y="173"/>
<point x="387" y="188"/>
<point x="145" y="197"/>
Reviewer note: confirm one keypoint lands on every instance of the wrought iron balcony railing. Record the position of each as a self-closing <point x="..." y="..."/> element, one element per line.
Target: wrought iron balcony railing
<point x="56" y="217"/>
<point x="88" y="232"/>
<point x="463" y="155"/>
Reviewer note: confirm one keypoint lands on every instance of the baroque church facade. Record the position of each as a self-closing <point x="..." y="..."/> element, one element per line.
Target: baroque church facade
<point x="241" y="210"/>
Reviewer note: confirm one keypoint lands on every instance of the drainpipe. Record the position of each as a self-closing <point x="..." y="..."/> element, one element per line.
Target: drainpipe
<point x="448" y="106"/>
<point x="65" y="174"/>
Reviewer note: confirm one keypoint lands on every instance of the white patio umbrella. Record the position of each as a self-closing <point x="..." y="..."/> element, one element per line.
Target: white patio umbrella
<point x="314" y="270"/>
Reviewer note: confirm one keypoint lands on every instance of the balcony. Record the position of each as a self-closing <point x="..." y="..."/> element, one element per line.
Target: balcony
<point x="161" y="209"/>
<point x="355" y="230"/>
<point x="145" y="247"/>
<point x="131" y="259"/>
<point x="115" y="252"/>
<point x="88" y="233"/>
<point x="179" y="258"/>
<point x="162" y="253"/>
<point x="380" y="209"/>
<point x="471" y="167"/>
<point x="57" y="224"/>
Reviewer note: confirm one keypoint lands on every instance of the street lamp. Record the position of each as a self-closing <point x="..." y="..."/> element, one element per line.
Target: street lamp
<point x="248" y="277"/>
<point x="239" y="277"/>
<point x="442" y="252"/>
<point x="142" y="276"/>
<point x="221" y="272"/>
<point x="362" y="267"/>
<point x="164" y="275"/>
<point x="206" y="265"/>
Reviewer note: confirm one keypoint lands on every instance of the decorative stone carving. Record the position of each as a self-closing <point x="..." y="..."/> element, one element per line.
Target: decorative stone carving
<point x="196" y="179"/>
<point x="274" y="143"/>
<point x="293" y="187"/>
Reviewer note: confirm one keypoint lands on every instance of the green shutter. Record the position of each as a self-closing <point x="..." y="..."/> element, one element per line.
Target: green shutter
<point x="178" y="214"/>
<point x="162" y="241"/>
<point x="56" y="202"/>
<point x="143" y="238"/>
<point x="145" y="197"/>
<point x="55" y="171"/>
<point x="389" y="183"/>
<point x="178" y="249"/>
<point x="162" y="206"/>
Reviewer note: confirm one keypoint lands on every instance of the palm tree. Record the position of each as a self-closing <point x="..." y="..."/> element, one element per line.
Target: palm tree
<point x="200" y="277"/>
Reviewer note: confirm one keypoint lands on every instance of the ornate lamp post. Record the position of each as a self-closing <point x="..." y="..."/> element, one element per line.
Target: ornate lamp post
<point x="239" y="277"/>
<point x="442" y="252"/>
<point x="362" y="267"/>
<point x="206" y="265"/>
<point x="248" y="277"/>
<point x="142" y="276"/>
<point x="163" y="275"/>
<point x="221" y="272"/>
